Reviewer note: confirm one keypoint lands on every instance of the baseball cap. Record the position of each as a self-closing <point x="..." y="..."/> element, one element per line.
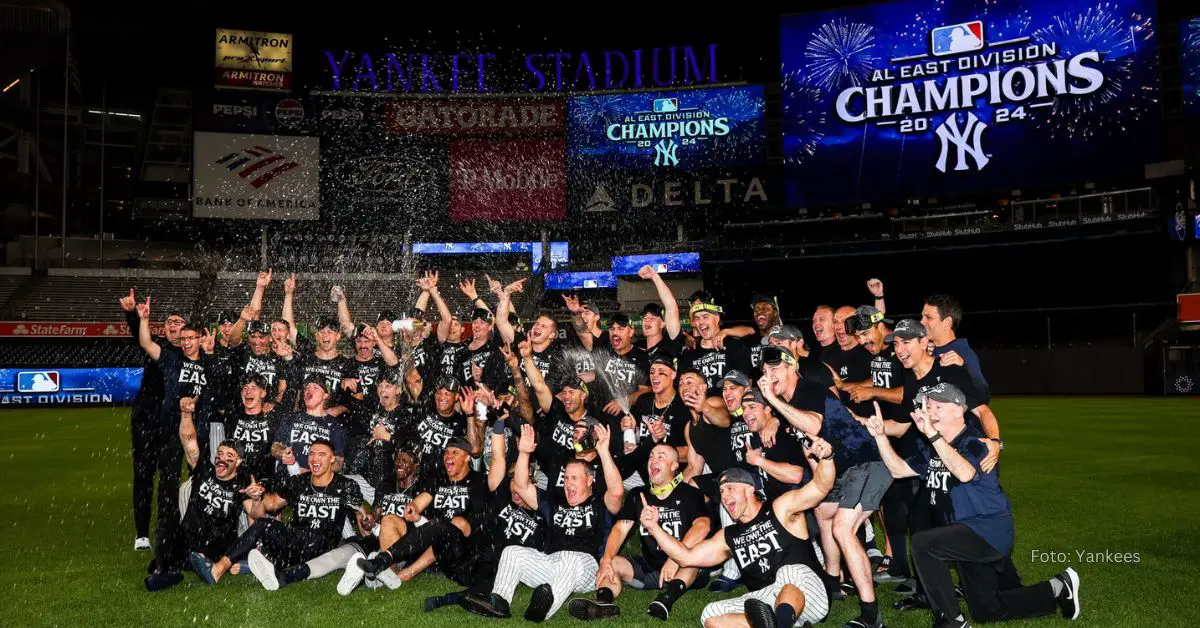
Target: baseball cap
<point x="907" y="329"/>
<point x="737" y="475"/>
<point x="574" y="382"/>
<point x="703" y="296"/>
<point x="234" y="445"/>
<point x="360" y="330"/>
<point x="459" y="442"/>
<point x="258" y="327"/>
<point x="228" y="316"/>
<point x="867" y="317"/>
<point x="737" y="377"/>
<point x="326" y="321"/>
<point x="944" y="393"/>
<point x="588" y="305"/>
<point x="588" y="422"/>
<point x="387" y="315"/>
<point x="783" y="332"/>
<point x="392" y="375"/>
<point x="654" y="309"/>
<point x="775" y="355"/>
<point x="755" y="395"/>
<point x="764" y="298"/>
<point x="255" y="378"/>
<point x="619" y="319"/>
<point x="706" y="307"/>
<point x="482" y="314"/>
<point x="667" y="361"/>
<point x="447" y="382"/>
<point x="318" y="380"/>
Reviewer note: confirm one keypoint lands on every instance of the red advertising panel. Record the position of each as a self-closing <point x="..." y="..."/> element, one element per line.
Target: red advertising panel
<point x="467" y="116"/>
<point x="42" y="329"/>
<point x="507" y="179"/>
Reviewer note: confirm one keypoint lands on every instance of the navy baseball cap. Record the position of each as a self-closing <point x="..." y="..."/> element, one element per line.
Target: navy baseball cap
<point x="907" y="329"/>
<point x="653" y="309"/>
<point x="763" y="298"/>
<point x="755" y="395"/>
<point x="255" y="378"/>
<point x="619" y="319"/>
<point x="320" y="381"/>
<point x="459" y="442"/>
<point x="783" y="332"/>
<point x="574" y="382"/>
<point x="482" y="314"/>
<point x="326" y="321"/>
<point x="392" y="375"/>
<point x="360" y="330"/>
<point x="737" y="475"/>
<point x="737" y="377"/>
<point x="775" y="355"/>
<point x="865" y="318"/>
<point x="944" y="393"/>
<point x="387" y="315"/>
<point x="667" y="361"/>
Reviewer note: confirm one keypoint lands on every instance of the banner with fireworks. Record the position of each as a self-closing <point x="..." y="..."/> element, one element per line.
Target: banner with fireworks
<point x="925" y="97"/>
<point x="1189" y="50"/>
<point x="686" y="129"/>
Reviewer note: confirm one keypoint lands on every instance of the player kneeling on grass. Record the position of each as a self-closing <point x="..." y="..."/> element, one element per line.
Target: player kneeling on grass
<point x="682" y="514"/>
<point x="322" y="502"/>
<point x="579" y="519"/>
<point x="977" y="525"/>
<point x="771" y="543"/>
<point x="218" y="494"/>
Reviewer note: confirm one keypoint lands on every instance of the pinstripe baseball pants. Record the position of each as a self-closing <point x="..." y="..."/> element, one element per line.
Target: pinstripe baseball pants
<point x="565" y="572"/>
<point x="816" y="600"/>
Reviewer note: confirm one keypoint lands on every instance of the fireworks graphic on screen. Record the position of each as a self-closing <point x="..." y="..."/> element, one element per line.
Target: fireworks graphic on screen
<point x="1124" y="96"/>
<point x="1010" y="24"/>
<point x="736" y="104"/>
<point x="1190" y="62"/>
<point x="803" y="118"/>
<point x="840" y="54"/>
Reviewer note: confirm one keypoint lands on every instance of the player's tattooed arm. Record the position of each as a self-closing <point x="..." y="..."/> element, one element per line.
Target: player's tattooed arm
<point x="187" y="431"/>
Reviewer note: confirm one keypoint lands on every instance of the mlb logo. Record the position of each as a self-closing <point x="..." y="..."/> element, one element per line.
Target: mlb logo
<point x="591" y="283"/>
<point x="37" y="381"/>
<point x="660" y="268"/>
<point x="956" y="38"/>
<point x="666" y="105"/>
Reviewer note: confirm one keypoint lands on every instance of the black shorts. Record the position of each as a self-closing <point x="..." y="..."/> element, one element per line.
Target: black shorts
<point x="645" y="575"/>
<point x="861" y="485"/>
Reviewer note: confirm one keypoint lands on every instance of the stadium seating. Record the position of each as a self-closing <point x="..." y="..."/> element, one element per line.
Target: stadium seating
<point x="73" y="298"/>
<point x="9" y="286"/>
<point x="61" y="353"/>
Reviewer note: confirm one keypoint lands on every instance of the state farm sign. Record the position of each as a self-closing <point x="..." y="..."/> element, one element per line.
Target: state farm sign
<point x="26" y="329"/>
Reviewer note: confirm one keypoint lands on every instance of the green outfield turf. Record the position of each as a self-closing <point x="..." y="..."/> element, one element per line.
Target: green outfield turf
<point x="1091" y="475"/>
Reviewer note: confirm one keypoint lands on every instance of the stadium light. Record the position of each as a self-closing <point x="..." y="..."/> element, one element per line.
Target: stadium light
<point x="11" y="85"/>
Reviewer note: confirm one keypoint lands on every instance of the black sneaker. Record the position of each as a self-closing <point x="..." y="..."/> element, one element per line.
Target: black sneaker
<point x="159" y="581"/>
<point x="434" y="602"/>
<point x="490" y="605"/>
<point x="759" y="614"/>
<point x="1068" y="599"/>
<point x="152" y="568"/>
<point x="658" y="609"/>
<point x="540" y="603"/>
<point x="588" y="610"/>
<point x="721" y="584"/>
<point x="833" y="587"/>
<point x="942" y="622"/>
<point x="862" y="622"/>
<point x="849" y="590"/>
<point x="908" y="587"/>
<point x="911" y="603"/>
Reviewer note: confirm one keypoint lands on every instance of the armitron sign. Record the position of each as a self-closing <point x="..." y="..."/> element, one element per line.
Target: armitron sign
<point x="253" y="60"/>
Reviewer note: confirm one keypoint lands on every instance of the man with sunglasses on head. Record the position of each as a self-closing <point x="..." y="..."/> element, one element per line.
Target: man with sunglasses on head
<point x="144" y="418"/>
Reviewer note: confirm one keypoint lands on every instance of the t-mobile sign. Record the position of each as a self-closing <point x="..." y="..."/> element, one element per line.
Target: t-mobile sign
<point x="507" y="179"/>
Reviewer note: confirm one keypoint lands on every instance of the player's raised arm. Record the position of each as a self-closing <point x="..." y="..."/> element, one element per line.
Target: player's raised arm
<point x="521" y="484"/>
<point x="144" y="339"/>
<point x="670" y="305"/>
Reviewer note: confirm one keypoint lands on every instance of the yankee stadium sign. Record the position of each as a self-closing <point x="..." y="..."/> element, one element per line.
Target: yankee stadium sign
<point x="1015" y="76"/>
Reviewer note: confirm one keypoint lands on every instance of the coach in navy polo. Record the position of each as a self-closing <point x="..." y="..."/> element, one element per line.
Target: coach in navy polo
<point x="976" y="527"/>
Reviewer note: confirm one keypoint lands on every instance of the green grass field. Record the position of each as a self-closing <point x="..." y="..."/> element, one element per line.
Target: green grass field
<point x="1084" y="474"/>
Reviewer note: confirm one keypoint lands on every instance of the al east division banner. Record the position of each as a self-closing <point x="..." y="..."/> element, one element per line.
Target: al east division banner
<point x="275" y="177"/>
<point x="28" y="329"/>
<point x="507" y="179"/>
<point x="929" y="97"/>
<point x="68" y="386"/>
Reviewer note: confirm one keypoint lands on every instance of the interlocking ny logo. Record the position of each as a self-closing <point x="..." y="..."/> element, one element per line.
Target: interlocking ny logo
<point x="260" y="162"/>
<point x="664" y="153"/>
<point x="967" y="141"/>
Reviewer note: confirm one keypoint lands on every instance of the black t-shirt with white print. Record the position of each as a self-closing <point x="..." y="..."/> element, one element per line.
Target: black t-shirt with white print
<point x="763" y="545"/>
<point x="322" y="510"/>
<point x="215" y="504"/>
<point x="182" y="377"/>
<point x="254" y="432"/>
<point x="583" y="528"/>
<point x="715" y="364"/>
<point x="457" y="498"/>
<point x="434" y="432"/>
<point x="333" y="371"/>
<point x="447" y="360"/>
<point x="390" y="499"/>
<point x="618" y="374"/>
<point x="666" y="347"/>
<point x="674" y="417"/>
<point x="788" y="448"/>
<point x="373" y="459"/>
<point x="958" y="376"/>
<point x="676" y="514"/>
<point x="300" y="429"/>
<point x="555" y="442"/>
<point x="509" y="524"/>
<point x="487" y="357"/>
<point x="425" y="357"/>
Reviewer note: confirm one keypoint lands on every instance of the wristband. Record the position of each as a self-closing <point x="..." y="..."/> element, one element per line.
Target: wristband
<point x="829" y="457"/>
<point x="935" y="438"/>
<point x="498" y="427"/>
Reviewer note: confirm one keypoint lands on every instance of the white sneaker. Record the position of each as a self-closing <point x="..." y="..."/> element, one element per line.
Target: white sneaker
<point x="263" y="569"/>
<point x="352" y="576"/>
<point x="389" y="579"/>
<point x="141" y="544"/>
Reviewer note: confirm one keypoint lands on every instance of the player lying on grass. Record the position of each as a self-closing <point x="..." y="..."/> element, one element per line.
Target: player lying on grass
<point x="322" y="502"/>
<point x="976" y="529"/>
<point x="771" y="543"/>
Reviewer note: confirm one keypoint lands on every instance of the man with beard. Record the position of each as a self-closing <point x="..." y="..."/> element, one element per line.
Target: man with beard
<point x="941" y="316"/>
<point x="706" y="357"/>
<point x="851" y="363"/>
<point x="811" y="407"/>
<point x="295" y="434"/>
<point x="185" y="371"/>
<point x="439" y="422"/>
<point x="252" y="426"/>
<point x="766" y="318"/>
<point x="481" y="362"/>
<point x="974" y="526"/>
<point x="557" y="418"/>
<point x="771" y="543"/>
<point x="707" y="431"/>
<point x="683" y="516"/>
<point x="386" y="427"/>
<point x="579" y="516"/>
<point x="322" y="502"/>
<point x="664" y="407"/>
<point x="370" y="358"/>
<point x="327" y="363"/>
<point x="217" y="498"/>
<point x="776" y="463"/>
<point x="660" y="321"/>
<point x="144" y="419"/>
<point x="622" y="369"/>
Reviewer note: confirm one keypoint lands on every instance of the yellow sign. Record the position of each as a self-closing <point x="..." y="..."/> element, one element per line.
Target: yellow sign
<point x="253" y="60"/>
